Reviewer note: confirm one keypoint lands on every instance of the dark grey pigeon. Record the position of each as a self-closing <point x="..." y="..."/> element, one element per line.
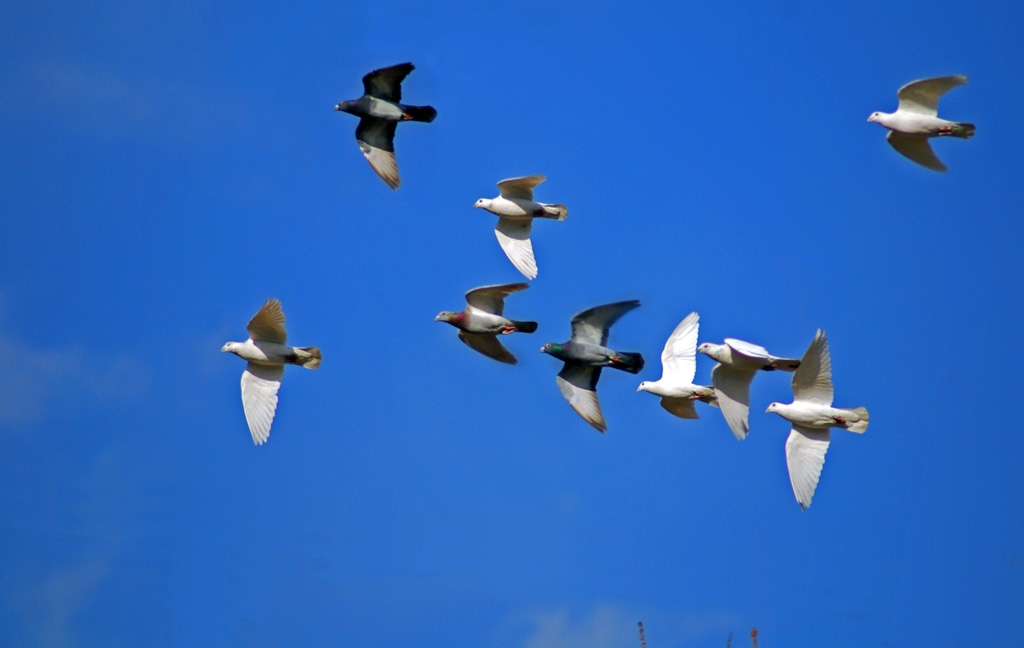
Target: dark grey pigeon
<point x="484" y="320"/>
<point x="380" y="111"/>
<point x="584" y="355"/>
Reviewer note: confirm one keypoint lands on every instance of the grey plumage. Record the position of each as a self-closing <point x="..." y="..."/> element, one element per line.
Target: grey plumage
<point x="586" y="353"/>
<point x="483" y="320"/>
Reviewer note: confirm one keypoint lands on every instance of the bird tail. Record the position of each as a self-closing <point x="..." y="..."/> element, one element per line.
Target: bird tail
<point x="631" y="362"/>
<point x="861" y="424"/>
<point x="524" y="327"/>
<point x="963" y="130"/>
<point x="421" y="113"/>
<point x="784" y="364"/>
<point x="308" y="357"/>
<point x="557" y="212"/>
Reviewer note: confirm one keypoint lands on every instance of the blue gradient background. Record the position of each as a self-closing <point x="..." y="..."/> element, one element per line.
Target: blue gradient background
<point x="168" y="166"/>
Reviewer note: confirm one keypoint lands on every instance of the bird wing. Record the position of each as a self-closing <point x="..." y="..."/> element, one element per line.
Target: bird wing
<point x="812" y="382"/>
<point x="922" y="96"/>
<point x="520" y="187"/>
<point x="259" y="398"/>
<point x="805" y="455"/>
<point x="681" y="407"/>
<point x="748" y="349"/>
<point x="514" y="237"/>
<point x="491" y="299"/>
<point x="679" y="358"/>
<point x="593" y="324"/>
<point x="917" y="149"/>
<point x="488" y="344"/>
<point x="732" y="387"/>
<point x="376" y="139"/>
<point x="267" y="325"/>
<point x="578" y="384"/>
<point x="386" y="83"/>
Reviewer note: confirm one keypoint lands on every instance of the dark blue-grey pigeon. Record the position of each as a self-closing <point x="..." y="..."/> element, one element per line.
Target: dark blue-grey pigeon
<point x="380" y="110"/>
<point x="584" y="355"/>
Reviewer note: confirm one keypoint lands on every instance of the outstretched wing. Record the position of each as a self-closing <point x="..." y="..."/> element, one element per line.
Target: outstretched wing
<point x="922" y="96"/>
<point x="259" y="398"/>
<point x="733" y="390"/>
<point x="681" y="407"/>
<point x="812" y="382"/>
<point x="514" y="237"/>
<point x="578" y="384"/>
<point x="376" y="139"/>
<point x="917" y="149"/>
<point x="491" y="299"/>
<point x="805" y="455"/>
<point x="488" y="344"/>
<point x="679" y="358"/>
<point x="386" y="83"/>
<point x="267" y="325"/>
<point x="520" y="187"/>
<point x="593" y="324"/>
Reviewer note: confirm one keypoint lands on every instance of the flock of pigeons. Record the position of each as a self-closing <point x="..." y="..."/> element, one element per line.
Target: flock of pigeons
<point x="586" y="352"/>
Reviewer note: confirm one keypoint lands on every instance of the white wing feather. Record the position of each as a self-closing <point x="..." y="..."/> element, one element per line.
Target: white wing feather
<point x="812" y="382"/>
<point x="733" y="390"/>
<point x="259" y="398"/>
<point x="514" y="237"/>
<point x="805" y="455"/>
<point x="679" y="358"/>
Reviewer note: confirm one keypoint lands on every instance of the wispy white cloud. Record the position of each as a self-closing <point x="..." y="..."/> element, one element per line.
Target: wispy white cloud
<point x="606" y="625"/>
<point x="35" y="379"/>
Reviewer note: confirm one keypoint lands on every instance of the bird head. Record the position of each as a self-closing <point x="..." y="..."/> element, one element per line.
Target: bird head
<point x="447" y="316"/>
<point x="344" y="106"/>
<point x="551" y="349"/>
<point x="705" y="348"/>
<point x="229" y="347"/>
<point x="874" y="116"/>
<point x="483" y="203"/>
<point x="774" y="407"/>
<point x="642" y="387"/>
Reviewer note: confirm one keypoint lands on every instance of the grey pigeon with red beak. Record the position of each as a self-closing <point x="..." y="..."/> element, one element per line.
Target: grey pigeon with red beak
<point x="483" y="321"/>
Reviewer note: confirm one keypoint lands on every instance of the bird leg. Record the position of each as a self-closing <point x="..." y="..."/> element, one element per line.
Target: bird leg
<point x="508" y="328"/>
<point x="839" y="419"/>
<point x="406" y="117"/>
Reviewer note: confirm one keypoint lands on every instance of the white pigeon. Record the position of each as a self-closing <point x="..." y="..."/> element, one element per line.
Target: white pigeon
<point x="738" y="362"/>
<point x="916" y="120"/>
<point x="678" y="367"/>
<point x="516" y="209"/>
<point x="267" y="354"/>
<point x="812" y="414"/>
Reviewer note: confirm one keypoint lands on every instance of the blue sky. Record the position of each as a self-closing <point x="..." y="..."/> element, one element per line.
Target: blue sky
<point x="169" y="166"/>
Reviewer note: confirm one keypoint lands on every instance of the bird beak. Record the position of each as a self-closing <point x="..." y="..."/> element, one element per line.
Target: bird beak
<point x="638" y="389"/>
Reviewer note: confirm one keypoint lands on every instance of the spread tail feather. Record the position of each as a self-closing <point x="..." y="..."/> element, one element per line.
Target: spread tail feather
<point x="861" y="424"/>
<point x="421" y="113"/>
<point x="524" y="327"/>
<point x="308" y="357"/>
<point x="557" y="212"/>
<point x="631" y="362"/>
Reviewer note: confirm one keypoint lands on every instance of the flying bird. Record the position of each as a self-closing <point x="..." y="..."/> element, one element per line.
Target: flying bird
<point x="483" y="321"/>
<point x="584" y="355"/>
<point x="812" y="414"/>
<point x="916" y="120"/>
<point x="678" y="367"/>
<point x="380" y="109"/>
<point x="267" y="354"/>
<point x="738" y="362"/>
<point x="516" y="209"/>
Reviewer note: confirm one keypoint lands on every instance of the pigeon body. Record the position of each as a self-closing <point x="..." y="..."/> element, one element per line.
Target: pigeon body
<point x="738" y="362"/>
<point x="678" y="367"/>
<point x="812" y="415"/>
<point x="267" y="354"/>
<point x="380" y="109"/>
<point x="916" y="120"/>
<point x="516" y="209"/>
<point x="483" y="320"/>
<point x="585" y="354"/>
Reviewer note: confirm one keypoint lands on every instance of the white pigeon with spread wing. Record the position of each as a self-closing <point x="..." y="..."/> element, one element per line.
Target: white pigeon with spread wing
<point x="267" y="353"/>
<point x="916" y="120"/>
<point x="516" y="209"/>
<point x="812" y="414"/>
<point x="678" y="367"/>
